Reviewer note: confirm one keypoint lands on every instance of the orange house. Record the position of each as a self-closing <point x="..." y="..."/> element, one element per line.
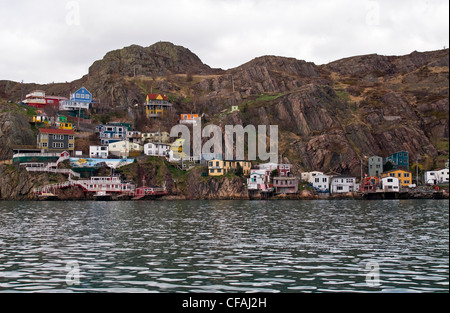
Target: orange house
<point x="189" y="118"/>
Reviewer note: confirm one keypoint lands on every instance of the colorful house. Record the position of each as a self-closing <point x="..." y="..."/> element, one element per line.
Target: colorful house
<point x="220" y="167"/>
<point x="375" y="165"/>
<point x="79" y="100"/>
<point x="56" y="140"/>
<point x="285" y="185"/>
<point x="371" y="183"/>
<point x="113" y="132"/>
<point x="399" y="160"/>
<point x="189" y="119"/>
<point x="404" y="177"/>
<point x="157" y="105"/>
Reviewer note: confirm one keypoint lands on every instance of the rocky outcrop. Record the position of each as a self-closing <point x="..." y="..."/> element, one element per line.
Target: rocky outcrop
<point x="14" y="130"/>
<point x="221" y="188"/>
<point x="160" y="59"/>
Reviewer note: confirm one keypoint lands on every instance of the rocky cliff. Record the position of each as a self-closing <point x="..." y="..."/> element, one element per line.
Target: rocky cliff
<point x="330" y="116"/>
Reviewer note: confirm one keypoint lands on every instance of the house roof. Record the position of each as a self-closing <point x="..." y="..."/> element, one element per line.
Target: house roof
<point x="56" y="131"/>
<point x="397" y="170"/>
<point x="155" y="96"/>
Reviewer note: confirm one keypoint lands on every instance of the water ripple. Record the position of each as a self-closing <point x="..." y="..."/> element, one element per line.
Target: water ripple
<point x="224" y="246"/>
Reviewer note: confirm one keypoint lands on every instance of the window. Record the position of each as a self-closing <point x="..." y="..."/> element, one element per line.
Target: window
<point x="58" y="137"/>
<point x="324" y="180"/>
<point x="212" y="171"/>
<point x="58" y="145"/>
<point x="70" y="145"/>
<point x="317" y="180"/>
<point x="71" y="137"/>
<point x="390" y="180"/>
<point x="219" y="171"/>
<point x="406" y="182"/>
<point x="340" y="188"/>
<point x="406" y="175"/>
<point x="44" y="145"/>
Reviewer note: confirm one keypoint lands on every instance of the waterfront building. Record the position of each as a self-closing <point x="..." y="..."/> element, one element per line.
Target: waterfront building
<point x="399" y="160"/>
<point x="56" y="140"/>
<point x="404" y="177"/>
<point x="309" y="176"/>
<point x="390" y="184"/>
<point x="257" y="178"/>
<point x="343" y="184"/>
<point x="437" y="177"/>
<point x="375" y="165"/>
<point x="284" y="170"/>
<point x="285" y="185"/>
<point x="156" y="105"/>
<point x="321" y="183"/>
<point x="371" y="183"/>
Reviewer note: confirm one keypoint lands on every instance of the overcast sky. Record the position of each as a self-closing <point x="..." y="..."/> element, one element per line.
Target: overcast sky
<point x="56" y="40"/>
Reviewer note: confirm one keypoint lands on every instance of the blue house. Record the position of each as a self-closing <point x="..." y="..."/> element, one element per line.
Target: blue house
<point x="399" y="160"/>
<point x="79" y="100"/>
<point x="81" y="95"/>
<point x="113" y="132"/>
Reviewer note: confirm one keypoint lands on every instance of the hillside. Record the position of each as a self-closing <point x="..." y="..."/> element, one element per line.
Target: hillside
<point x="330" y="116"/>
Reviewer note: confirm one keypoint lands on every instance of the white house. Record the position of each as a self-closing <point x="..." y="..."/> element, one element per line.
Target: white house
<point x="124" y="148"/>
<point x="309" y="176"/>
<point x="390" y="184"/>
<point x="134" y="136"/>
<point x="343" y="184"/>
<point x="257" y="177"/>
<point x="321" y="183"/>
<point x="98" y="152"/>
<point x="437" y="177"/>
<point x="156" y="149"/>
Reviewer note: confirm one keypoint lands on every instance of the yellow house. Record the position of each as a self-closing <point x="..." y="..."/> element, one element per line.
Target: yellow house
<point x="156" y="105"/>
<point x="404" y="177"/>
<point x="220" y="168"/>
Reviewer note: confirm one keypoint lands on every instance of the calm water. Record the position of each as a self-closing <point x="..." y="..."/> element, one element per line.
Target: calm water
<point x="225" y="246"/>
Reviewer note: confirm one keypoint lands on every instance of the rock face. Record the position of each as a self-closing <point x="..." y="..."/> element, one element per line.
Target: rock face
<point x="18" y="184"/>
<point x="14" y="130"/>
<point x="159" y="59"/>
<point x="329" y="116"/>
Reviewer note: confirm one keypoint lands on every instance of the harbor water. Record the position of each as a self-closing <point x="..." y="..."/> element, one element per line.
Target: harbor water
<point x="225" y="246"/>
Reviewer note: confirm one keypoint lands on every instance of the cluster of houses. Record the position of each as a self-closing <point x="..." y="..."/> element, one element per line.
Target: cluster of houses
<point x="120" y="141"/>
